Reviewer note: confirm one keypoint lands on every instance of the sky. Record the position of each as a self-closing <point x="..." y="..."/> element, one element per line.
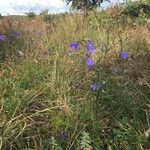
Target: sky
<point x="15" y="7"/>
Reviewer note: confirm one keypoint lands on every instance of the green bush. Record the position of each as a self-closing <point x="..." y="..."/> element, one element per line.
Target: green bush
<point x="48" y="17"/>
<point x="31" y="15"/>
<point x="136" y="9"/>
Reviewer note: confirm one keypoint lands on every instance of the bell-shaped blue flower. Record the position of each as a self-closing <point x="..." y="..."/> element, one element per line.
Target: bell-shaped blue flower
<point x="74" y="46"/>
<point x="90" y="62"/>
<point x="95" y="86"/>
<point x="124" y="55"/>
<point x="2" y="38"/>
<point x="90" y="47"/>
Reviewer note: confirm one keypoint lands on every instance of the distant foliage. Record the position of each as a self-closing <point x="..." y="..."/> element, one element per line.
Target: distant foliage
<point x="44" y="12"/>
<point x="1" y="17"/>
<point x="50" y="17"/>
<point x="135" y="9"/>
<point x="31" y="15"/>
<point x="46" y="17"/>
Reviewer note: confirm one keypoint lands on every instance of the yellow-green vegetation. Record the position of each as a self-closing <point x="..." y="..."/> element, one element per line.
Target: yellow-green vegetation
<point x="58" y="93"/>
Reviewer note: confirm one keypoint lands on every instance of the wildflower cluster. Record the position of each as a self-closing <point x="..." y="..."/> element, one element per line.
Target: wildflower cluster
<point x="90" y="49"/>
<point x="3" y="38"/>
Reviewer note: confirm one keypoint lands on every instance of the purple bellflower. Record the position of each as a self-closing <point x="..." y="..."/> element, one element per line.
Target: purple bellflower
<point x="17" y="33"/>
<point x="2" y="38"/>
<point x="95" y="86"/>
<point x="90" y="62"/>
<point x="90" y="47"/>
<point x="124" y="55"/>
<point x="74" y="46"/>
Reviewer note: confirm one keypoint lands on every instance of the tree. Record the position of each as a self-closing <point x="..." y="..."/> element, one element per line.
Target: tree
<point x="135" y="9"/>
<point x="85" y="4"/>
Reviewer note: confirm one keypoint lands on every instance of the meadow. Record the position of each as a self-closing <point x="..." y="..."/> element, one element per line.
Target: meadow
<point x="75" y="82"/>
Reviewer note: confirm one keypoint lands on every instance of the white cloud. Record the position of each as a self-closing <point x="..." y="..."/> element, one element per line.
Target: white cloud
<point x="107" y="4"/>
<point x="21" y="6"/>
<point x="52" y="3"/>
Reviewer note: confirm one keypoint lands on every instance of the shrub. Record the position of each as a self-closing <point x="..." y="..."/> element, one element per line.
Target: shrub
<point x="135" y="9"/>
<point x="31" y="15"/>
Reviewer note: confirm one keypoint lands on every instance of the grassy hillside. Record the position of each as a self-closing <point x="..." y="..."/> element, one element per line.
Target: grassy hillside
<point x="75" y="82"/>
